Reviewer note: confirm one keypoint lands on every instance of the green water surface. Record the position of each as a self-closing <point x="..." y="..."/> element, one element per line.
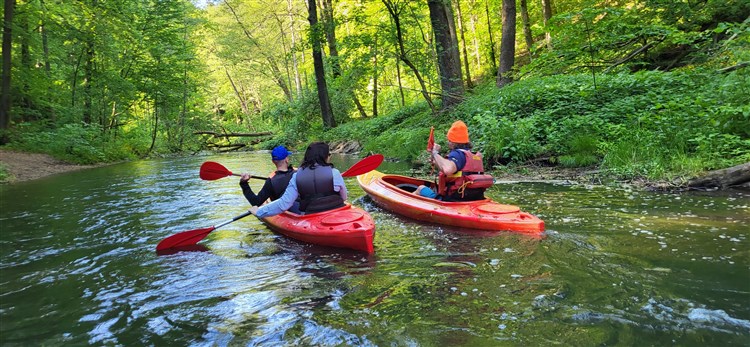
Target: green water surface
<point x="616" y="266"/>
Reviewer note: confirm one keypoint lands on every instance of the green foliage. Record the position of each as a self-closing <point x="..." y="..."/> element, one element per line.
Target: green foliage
<point x="582" y="151"/>
<point x="75" y="143"/>
<point x="500" y="137"/>
<point x="598" y="95"/>
<point x="5" y="176"/>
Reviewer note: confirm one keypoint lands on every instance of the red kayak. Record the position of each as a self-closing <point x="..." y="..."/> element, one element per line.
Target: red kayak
<point x="345" y="227"/>
<point x="394" y="193"/>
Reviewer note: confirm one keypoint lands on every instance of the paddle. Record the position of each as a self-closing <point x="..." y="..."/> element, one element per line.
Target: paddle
<point x="431" y="140"/>
<point x="213" y="171"/>
<point x="364" y="166"/>
<point x="191" y="237"/>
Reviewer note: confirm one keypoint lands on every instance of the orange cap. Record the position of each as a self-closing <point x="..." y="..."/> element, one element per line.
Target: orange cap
<point x="458" y="133"/>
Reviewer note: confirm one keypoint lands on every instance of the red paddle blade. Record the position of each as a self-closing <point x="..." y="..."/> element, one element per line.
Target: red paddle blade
<point x="185" y="238"/>
<point x="364" y="166"/>
<point x="211" y="171"/>
<point x="431" y="139"/>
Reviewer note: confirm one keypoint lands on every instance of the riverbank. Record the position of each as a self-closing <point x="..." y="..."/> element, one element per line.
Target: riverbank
<point x="25" y="166"/>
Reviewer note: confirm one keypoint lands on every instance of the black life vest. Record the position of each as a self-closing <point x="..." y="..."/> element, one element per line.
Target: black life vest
<point x="279" y="181"/>
<point x="315" y="187"/>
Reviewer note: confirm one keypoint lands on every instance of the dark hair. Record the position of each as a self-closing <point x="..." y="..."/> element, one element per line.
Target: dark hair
<point x="467" y="146"/>
<point x="316" y="155"/>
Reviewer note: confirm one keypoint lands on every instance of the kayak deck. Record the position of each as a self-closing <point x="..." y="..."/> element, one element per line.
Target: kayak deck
<point x="394" y="193"/>
<point x="345" y="227"/>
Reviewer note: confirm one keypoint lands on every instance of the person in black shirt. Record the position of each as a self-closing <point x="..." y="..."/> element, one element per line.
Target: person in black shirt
<point x="276" y="184"/>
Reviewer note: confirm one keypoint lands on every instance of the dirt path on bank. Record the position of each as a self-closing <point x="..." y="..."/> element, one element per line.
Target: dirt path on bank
<point x="24" y="166"/>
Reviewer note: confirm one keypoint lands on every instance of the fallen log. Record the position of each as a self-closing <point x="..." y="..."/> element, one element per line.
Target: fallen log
<point x="734" y="176"/>
<point x="215" y="134"/>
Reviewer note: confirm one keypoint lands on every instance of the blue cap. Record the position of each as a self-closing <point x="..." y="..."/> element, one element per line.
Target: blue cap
<point x="279" y="153"/>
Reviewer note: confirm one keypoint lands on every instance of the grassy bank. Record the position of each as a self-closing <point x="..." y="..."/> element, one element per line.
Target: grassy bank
<point x="651" y="125"/>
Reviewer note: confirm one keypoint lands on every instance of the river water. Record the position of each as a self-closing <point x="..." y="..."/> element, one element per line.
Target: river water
<point x="616" y="267"/>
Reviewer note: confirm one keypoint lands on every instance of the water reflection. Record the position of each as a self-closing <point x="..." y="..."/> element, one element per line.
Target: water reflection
<point x="617" y="266"/>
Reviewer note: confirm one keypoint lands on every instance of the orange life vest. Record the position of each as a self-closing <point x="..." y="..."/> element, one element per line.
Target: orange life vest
<point x="471" y="176"/>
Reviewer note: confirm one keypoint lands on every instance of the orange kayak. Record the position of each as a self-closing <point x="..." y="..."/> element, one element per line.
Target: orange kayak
<point x="345" y="227"/>
<point x="394" y="193"/>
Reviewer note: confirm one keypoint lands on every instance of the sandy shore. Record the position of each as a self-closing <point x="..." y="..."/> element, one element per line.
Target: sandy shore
<point x="24" y="166"/>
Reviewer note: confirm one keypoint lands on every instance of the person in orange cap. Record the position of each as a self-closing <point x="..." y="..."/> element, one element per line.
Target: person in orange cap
<point x="461" y="175"/>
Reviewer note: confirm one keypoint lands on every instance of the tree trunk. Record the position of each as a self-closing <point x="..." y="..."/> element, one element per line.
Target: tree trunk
<point x="330" y="28"/>
<point x="156" y="126"/>
<point x="447" y="52"/>
<point x="375" y="77"/>
<point x="45" y="51"/>
<point x="88" y="75"/>
<point x="320" y="76"/>
<point x="25" y="64"/>
<point x="45" y="45"/>
<point x="284" y="48"/>
<point x="733" y="176"/>
<point x="526" y="27"/>
<point x="297" y="80"/>
<point x="395" y="12"/>
<point x="507" y="43"/>
<point x="546" y="15"/>
<point x="275" y="71"/>
<point x="493" y="57"/>
<point x="240" y="97"/>
<point x="360" y="108"/>
<point x="400" y="85"/>
<point x="473" y="25"/>
<point x="9" y="6"/>
<point x="462" y="30"/>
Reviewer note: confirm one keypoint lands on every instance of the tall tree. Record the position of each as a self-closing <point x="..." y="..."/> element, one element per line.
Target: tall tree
<point x="507" y="43"/>
<point x="269" y="58"/>
<point x="547" y="15"/>
<point x="473" y="24"/>
<point x="297" y="80"/>
<point x="447" y="52"/>
<point x="526" y="26"/>
<point x="5" y="103"/>
<point x="394" y="9"/>
<point x="320" y="76"/>
<point x="493" y="57"/>
<point x="330" y="29"/>
<point x="462" y="29"/>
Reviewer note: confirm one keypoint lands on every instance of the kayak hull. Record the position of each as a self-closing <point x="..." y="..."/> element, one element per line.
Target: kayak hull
<point x="345" y="227"/>
<point x="481" y="214"/>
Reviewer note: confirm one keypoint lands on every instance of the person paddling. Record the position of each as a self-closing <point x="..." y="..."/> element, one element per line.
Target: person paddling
<point x="276" y="184"/>
<point x="317" y="184"/>
<point x="461" y="175"/>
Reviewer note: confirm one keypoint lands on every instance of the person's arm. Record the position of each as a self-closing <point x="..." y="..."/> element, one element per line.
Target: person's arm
<point x="252" y="198"/>
<point x="338" y="184"/>
<point x="281" y="204"/>
<point x="444" y="165"/>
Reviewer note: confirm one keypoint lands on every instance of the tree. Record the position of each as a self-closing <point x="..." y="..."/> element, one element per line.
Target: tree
<point x="507" y="43"/>
<point x="449" y="63"/>
<point x="493" y="57"/>
<point x="320" y="76"/>
<point x="526" y="26"/>
<point x="462" y="29"/>
<point x="5" y="103"/>
<point x="394" y="9"/>
<point x="547" y="15"/>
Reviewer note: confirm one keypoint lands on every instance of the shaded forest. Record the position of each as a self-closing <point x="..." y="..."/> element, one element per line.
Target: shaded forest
<point x="638" y="89"/>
